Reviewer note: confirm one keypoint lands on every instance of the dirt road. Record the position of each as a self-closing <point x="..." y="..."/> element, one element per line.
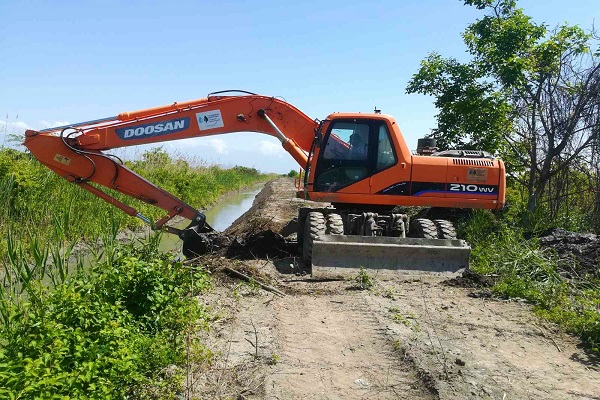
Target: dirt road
<point x="410" y="337"/>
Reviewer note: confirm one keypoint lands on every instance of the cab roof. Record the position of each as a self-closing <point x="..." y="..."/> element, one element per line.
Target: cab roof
<point x="357" y="115"/>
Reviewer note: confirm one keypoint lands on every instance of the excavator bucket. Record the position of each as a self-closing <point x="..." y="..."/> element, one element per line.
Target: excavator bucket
<point x="341" y="255"/>
<point x="198" y="237"/>
<point x="196" y="243"/>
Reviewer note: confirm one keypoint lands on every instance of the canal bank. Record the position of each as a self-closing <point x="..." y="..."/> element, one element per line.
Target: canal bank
<point x="220" y="216"/>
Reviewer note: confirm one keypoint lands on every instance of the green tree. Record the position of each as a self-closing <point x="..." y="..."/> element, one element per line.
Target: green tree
<point x="529" y="94"/>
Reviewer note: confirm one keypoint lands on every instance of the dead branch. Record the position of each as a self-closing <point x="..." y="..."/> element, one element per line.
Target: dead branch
<point x="246" y="278"/>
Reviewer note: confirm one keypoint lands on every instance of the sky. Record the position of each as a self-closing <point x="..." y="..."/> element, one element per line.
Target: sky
<point x="71" y="61"/>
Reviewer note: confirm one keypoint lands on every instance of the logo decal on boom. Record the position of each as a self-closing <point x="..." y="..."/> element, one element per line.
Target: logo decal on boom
<point x="154" y="129"/>
<point x="209" y="120"/>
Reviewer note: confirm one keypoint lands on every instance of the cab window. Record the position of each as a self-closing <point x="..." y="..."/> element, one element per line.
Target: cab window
<point x="348" y="141"/>
<point x="385" y="151"/>
<point x="345" y="156"/>
<point x="353" y="150"/>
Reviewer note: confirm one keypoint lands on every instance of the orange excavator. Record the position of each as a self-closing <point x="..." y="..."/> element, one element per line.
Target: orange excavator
<point x="357" y="162"/>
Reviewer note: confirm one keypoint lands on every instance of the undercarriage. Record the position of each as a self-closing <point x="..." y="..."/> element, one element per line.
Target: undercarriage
<point x="359" y="238"/>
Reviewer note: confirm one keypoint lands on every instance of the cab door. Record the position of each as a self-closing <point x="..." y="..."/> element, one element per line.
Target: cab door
<point x="346" y="158"/>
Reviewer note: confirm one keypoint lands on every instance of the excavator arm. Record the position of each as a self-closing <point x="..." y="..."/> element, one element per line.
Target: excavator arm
<point x="77" y="152"/>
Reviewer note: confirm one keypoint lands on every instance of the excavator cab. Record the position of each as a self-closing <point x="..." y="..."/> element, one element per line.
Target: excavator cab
<point x="352" y="150"/>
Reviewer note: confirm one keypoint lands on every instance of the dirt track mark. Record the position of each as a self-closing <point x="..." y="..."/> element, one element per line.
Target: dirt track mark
<point x="483" y="349"/>
<point x="332" y="343"/>
<point x="332" y="347"/>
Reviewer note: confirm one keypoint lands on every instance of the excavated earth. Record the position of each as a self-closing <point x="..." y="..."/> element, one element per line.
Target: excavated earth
<point x="409" y="337"/>
<point x="579" y="253"/>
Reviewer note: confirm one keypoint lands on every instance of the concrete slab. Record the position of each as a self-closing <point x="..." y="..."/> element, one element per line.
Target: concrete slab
<point x="335" y="255"/>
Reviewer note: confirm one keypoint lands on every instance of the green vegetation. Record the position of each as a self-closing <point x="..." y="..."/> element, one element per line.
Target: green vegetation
<point x="363" y="280"/>
<point x="196" y="185"/>
<point x="528" y="94"/>
<point x="408" y="320"/>
<point x="292" y="174"/>
<point x="558" y="289"/>
<point x="36" y="201"/>
<point x="274" y="359"/>
<point x="123" y="322"/>
<point x="109" y="331"/>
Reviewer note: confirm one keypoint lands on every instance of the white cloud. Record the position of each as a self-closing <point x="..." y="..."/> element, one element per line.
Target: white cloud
<point x="14" y="127"/>
<point x="183" y="144"/>
<point x="271" y="149"/>
<point x="12" y="133"/>
<point x="19" y="127"/>
<point x="47" y="124"/>
<point x="219" y="145"/>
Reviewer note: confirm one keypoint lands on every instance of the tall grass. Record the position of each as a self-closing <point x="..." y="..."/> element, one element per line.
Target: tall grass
<point x="113" y="327"/>
<point x="525" y="270"/>
<point x="36" y="201"/>
<point x="198" y="185"/>
<point x="108" y="331"/>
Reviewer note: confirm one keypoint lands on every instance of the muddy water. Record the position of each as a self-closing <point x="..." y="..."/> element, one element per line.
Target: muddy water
<point x="227" y="209"/>
<point x="231" y="207"/>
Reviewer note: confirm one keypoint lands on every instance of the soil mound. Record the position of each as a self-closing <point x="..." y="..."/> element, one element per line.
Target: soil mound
<point x="272" y="209"/>
<point x="579" y="252"/>
<point x="263" y="244"/>
<point x="266" y="230"/>
<point x="470" y="279"/>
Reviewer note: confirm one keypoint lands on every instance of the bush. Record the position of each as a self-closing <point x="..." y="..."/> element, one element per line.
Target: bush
<point x="111" y="330"/>
<point x="363" y="280"/>
<point x="101" y="334"/>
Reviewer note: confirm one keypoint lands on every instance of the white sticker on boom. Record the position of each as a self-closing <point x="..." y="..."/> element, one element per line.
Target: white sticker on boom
<point x="209" y="120"/>
<point x="62" y="159"/>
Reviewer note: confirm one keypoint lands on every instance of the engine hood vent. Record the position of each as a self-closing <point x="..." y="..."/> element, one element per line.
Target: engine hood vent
<point x="464" y="154"/>
<point x="471" y="161"/>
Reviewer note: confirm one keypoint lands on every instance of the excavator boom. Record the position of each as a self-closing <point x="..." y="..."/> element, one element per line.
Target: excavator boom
<point x="75" y="152"/>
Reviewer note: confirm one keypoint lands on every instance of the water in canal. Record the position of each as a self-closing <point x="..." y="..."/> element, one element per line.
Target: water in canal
<point x="220" y="216"/>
